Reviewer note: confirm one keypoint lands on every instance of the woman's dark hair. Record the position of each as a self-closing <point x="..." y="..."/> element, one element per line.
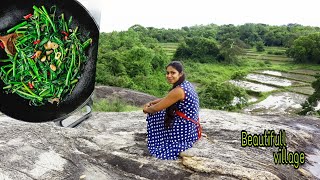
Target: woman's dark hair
<point x="170" y="111"/>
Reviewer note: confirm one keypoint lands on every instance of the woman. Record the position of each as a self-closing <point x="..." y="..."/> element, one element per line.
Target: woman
<point x="173" y="121"/>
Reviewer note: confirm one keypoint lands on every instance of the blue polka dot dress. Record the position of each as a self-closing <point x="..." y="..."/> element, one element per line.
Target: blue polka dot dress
<point x="168" y="143"/>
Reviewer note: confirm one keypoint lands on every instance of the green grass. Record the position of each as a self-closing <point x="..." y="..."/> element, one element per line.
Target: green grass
<point x="104" y="105"/>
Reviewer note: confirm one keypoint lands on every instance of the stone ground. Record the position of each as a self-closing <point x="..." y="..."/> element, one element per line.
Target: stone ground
<point x="113" y="146"/>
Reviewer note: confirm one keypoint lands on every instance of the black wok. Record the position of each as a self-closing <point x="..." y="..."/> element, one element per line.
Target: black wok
<point x="11" y="13"/>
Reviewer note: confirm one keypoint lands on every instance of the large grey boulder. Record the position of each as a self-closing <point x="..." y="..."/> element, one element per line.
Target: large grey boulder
<point x="129" y="96"/>
<point x="113" y="146"/>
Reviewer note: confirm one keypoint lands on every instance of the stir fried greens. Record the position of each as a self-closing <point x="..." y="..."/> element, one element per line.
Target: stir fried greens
<point x="48" y="60"/>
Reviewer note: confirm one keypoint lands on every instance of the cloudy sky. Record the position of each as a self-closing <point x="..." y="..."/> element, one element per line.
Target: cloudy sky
<point x="117" y="15"/>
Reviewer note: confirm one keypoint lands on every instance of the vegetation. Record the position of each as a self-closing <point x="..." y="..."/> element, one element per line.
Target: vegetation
<point x="306" y="49"/>
<point x="116" y="105"/>
<point x="203" y="49"/>
<point x="211" y="54"/>
<point x="220" y="95"/>
<point x="131" y="60"/>
<point x="308" y="107"/>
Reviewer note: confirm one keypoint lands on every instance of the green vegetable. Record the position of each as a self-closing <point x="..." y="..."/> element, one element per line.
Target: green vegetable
<point x="49" y="60"/>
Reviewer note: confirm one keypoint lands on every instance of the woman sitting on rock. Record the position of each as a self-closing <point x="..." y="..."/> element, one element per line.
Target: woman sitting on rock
<point x="173" y="121"/>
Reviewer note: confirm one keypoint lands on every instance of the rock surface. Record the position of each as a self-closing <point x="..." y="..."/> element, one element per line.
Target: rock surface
<point x="127" y="95"/>
<point x="113" y="146"/>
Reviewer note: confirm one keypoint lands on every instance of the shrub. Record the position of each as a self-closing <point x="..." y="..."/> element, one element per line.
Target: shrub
<point x="238" y="75"/>
<point x="308" y="107"/>
<point x="221" y="96"/>
<point x="197" y="47"/>
<point x="260" y="46"/>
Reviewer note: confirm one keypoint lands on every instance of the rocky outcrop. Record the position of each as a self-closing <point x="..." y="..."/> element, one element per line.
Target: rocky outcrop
<point x="127" y="95"/>
<point x="113" y="146"/>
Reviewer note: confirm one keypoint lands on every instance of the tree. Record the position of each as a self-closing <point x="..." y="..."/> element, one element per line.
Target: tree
<point x="312" y="101"/>
<point x="230" y="50"/>
<point x="197" y="47"/>
<point x="248" y="34"/>
<point x="260" y="46"/>
<point x="227" y="32"/>
<point x="306" y="49"/>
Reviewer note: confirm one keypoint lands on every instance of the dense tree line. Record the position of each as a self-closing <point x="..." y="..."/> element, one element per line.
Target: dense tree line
<point x="249" y="33"/>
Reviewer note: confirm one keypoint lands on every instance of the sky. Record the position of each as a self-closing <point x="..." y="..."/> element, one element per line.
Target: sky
<point x="119" y="15"/>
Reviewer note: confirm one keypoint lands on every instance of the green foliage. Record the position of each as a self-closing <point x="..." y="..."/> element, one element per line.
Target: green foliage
<point x="197" y="48"/>
<point x="134" y="59"/>
<point x="260" y="46"/>
<point x="218" y="95"/>
<point x="128" y="59"/>
<point x="306" y="49"/>
<point x="230" y="50"/>
<point x="227" y="32"/>
<point x="308" y="107"/>
<point x="267" y="62"/>
<point x="248" y="33"/>
<point x="238" y="75"/>
<point x="154" y="84"/>
<point x="115" y="105"/>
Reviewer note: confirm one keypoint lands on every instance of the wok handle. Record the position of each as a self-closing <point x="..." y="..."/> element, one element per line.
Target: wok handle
<point x="75" y="123"/>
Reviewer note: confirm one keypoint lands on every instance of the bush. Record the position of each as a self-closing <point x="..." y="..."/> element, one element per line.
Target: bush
<point x="238" y="75"/>
<point x="260" y="46"/>
<point x="198" y="47"/>
<point x="308" y="107"/>
<point x="221" y="96"/>
<point x="230" y="50"/>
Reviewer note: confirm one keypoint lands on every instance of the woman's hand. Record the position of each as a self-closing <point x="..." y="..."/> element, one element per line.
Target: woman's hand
<point x="145" y="107"/>
<point x="147" y="104"/>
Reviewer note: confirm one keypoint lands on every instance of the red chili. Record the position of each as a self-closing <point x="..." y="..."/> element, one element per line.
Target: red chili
<point x="1" y="45"/>
<point x="30" y="85"/>
<point x="27" y="16"/>
<point x="65" y="33"/>
<point x="36" y="41"/>
<point x="33" y="56"/>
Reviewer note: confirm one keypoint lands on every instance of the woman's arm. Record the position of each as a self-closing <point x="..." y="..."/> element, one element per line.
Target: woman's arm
<point x="153" y="102"/>
<point x="173" y="96"/>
